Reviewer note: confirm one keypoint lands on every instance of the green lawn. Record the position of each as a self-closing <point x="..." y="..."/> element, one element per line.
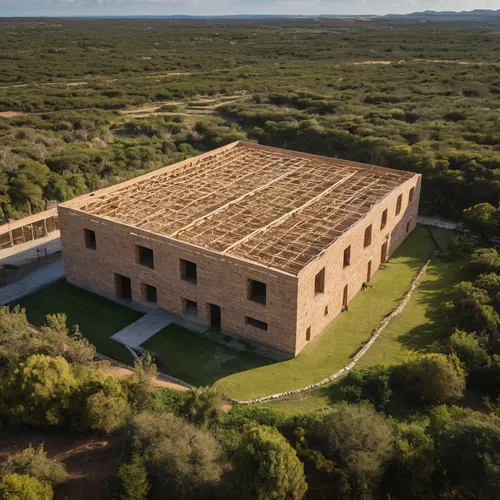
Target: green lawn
<point x="197" y="360"/>
<point x="414" y="330"/>
<point x="98" y="318"/>
<point x="345" y="335"/>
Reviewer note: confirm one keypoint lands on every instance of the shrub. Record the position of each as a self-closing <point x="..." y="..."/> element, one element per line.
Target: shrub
<point x="38" y="391"/>
<point x="201" y="405"/>
<point x="265" y="466"/>
<point x="100" y="404"/>
<point x="34" y="463"/>
<point x="435" y="378"/>
<point x="184" y="461"/>
<point x="134" y="479"/>
<point x="359" y="440"/>
<point x="18" y="487"/>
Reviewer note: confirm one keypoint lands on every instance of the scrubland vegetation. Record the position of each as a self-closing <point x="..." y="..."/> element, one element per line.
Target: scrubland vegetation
<point x="423" y="427"/>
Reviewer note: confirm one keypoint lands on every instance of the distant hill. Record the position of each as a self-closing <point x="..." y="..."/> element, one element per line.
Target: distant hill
<point x="432" y="15"/>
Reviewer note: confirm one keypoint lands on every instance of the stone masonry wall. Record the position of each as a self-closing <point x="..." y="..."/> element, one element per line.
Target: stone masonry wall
<point x="222" y="280"/>
<point x="312" y="312"/>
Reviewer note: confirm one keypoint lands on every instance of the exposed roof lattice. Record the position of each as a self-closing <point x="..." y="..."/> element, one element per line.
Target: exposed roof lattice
<point x="274" y="207"/>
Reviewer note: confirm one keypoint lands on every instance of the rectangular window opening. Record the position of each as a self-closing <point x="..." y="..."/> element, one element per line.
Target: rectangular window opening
<point x="190" y="307"/>
<point x="145" y="256"/>
<point x="368" y="236"/>
<point x="261" y="325"/>
<point x="90" y="239"/>
<point x="383" y="222"/>
<point x="399" y="204"/>
<point x="347" y="256"/>
<point x="257" y="291"/>
<point x="189" y="271"/>
<point x="150" y="293"/>
<point x="345" y="296"/>
<point x="319" y="282"/>
<point x="308" y="334"/>
<point x="407" y="227"/>
<point x="410" y="196"/>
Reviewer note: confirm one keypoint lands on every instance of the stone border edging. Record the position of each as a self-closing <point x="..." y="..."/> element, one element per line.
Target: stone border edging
<point x="359" y="354"/>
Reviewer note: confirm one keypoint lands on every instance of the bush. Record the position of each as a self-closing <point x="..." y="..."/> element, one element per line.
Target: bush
<point x="18" y="487"/>
<point x="435" y="378"/>
<point x="184" y="461"/>
<point x="265" y="466"/>
<point x="201" y="405"/>
<point x="134" y="479"/>
<point x="100" y="404"/>
<point x="357" y="439"/>
<point x="35" y="463"/>
<point x="38" y="391"/>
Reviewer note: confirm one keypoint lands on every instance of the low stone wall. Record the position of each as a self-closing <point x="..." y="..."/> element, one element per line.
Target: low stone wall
<point x="359" y="354"/>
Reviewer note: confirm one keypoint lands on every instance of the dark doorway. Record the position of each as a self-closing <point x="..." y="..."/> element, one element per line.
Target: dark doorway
<point x="215" y="316"/>
<point x="123" y="287"/>
<point x="345" y="296"/>
<point x="369" y="271"/>
<point x="383" y="253"/>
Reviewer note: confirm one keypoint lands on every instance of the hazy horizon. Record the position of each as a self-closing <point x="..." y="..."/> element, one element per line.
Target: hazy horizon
<point x="126" y="8"/>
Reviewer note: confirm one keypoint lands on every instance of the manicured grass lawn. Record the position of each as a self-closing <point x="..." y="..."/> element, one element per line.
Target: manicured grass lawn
<point x="414" y="330"/>
<point x="345" y="335"/>
<point x="97" y="317"/>
<point x="197" y="360"/>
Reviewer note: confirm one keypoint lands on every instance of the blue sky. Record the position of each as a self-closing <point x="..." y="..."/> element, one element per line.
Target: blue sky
<point x="215" y="7"/>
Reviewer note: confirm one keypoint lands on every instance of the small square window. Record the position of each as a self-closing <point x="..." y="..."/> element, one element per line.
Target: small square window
<point x="411" y="195"/>
<point x="190" y="307"/>
<point x="383" y="222"/>
<point x="319" y="282"/>
<point x="150" y="293"/>
<point x="261" y="325"/>
<point x="399" y="204"/>
<point x="257" y="291"/>
<point x="189" y="271"/>
<point x="368" y="236"/>
<point x="347" y="256"/>
<point x="145" y="256"/>
<point x="90" y="239"/>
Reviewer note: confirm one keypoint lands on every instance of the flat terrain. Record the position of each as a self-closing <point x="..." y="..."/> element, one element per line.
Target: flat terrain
<point x="97" y="318"/>
<point x="90" y="461"/>
<point x="197" y="360"/>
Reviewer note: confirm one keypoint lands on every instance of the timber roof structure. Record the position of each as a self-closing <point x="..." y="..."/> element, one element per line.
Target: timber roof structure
<point x="273" y="207"/>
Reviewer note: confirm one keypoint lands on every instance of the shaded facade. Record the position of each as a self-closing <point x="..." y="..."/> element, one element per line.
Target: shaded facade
<point x="264" y="243"/>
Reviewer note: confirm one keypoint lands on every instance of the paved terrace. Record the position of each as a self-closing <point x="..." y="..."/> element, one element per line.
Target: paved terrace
<point x="266" y="205"/>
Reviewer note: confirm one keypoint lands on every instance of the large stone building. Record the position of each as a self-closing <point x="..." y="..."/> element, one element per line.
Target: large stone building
<point x="264" y="243"/>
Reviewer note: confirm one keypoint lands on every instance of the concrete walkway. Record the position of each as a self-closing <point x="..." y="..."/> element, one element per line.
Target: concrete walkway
<point x="144" y="328"/>
<point x="438" y="222"/>
<point x="26" y="252"/>
<point x="32" y="282"/>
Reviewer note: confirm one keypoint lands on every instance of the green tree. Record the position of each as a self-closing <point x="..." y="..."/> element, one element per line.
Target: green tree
<point x="201" y="405"/>
<point x="34" y="462"/>
<point x="483" y="219"/>
<point x="469" y="454"/>
<point x="134" y="479"/>
<point x="19" y="487"/>
<point x="359" y="440"/>
<point x="435" y="378"/>
<point x="183" y="460"/>
<point x="265" y="466"/>
<point x="485" y="260"/>
<point x="469" y="352"/>
<point x="38" y="391"/>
